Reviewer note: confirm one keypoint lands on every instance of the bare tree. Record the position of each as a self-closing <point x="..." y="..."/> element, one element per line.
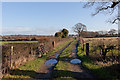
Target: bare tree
<point x="79" y="28"/>
<point x="109" y="7"/>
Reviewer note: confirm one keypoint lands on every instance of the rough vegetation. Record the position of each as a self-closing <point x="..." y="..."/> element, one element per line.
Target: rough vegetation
<point x="105" y="65"/>
<point x="15" y="54"/>
<point x="30" y="69"/>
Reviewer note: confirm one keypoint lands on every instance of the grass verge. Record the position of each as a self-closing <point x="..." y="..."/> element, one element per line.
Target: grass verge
<point x="26" y="71"/>
<point x="101" y="71"/>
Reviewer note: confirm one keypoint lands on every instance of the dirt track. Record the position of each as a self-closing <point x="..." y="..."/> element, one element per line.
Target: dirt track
<point x="46" y="72"/>
<point x="77" y="70"/>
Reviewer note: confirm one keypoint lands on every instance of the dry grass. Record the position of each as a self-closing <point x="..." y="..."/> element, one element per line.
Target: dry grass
<point x="102" y="38"/>
<point x="109" y="69"/>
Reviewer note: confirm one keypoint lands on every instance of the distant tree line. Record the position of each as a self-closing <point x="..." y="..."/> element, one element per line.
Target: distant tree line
<point x="111" y="33"/>
<point x="81" y="31"/>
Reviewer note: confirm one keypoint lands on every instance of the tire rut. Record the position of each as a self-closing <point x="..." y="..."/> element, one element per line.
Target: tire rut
<point x="46" y="71"/>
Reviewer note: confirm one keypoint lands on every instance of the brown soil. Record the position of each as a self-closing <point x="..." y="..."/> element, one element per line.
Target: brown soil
<point x="80" y="72"/>
<point x="77" y="69"/>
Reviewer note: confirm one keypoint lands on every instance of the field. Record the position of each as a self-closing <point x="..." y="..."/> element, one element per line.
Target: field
<point x="113" y="38"/>
<point x="6" y="42"/>
<point x="96" y="45"/>
<point x="103" y="63"/>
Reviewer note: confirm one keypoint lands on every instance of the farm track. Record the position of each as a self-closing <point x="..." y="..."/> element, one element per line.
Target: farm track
<point x="46" y="72"/>
<point x="76" y="70"/>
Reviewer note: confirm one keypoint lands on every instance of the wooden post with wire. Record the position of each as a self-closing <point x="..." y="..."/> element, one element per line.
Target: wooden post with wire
<point x="87" y="49"/>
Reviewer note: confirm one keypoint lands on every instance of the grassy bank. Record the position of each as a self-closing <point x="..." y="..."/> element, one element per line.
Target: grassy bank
<point x="29" y="70"/>
<point x="62" y="69"/>
<point x="100" y="70"/>
<point x="26" y="71"/>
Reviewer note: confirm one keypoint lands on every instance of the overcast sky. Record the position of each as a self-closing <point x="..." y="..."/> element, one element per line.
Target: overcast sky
<point x="46" y="18"/>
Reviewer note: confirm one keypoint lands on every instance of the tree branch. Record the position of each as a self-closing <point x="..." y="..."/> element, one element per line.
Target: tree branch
<point x="105" y="8"/>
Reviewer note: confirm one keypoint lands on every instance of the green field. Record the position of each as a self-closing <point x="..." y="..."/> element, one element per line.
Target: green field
<point x="6" y="42"/>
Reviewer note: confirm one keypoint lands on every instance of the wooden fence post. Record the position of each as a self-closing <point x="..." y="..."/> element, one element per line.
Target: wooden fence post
<point x="87" y="49"/>
<point x="83" y="45"/>
<point x="11" y="56"/>
<point x="53" y="44"/>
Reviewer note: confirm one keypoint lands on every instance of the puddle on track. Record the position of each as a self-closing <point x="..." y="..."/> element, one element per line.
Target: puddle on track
<point x="75" y="61"/>
<point x="74" y="53"/>
<point x="51" y="62"/>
